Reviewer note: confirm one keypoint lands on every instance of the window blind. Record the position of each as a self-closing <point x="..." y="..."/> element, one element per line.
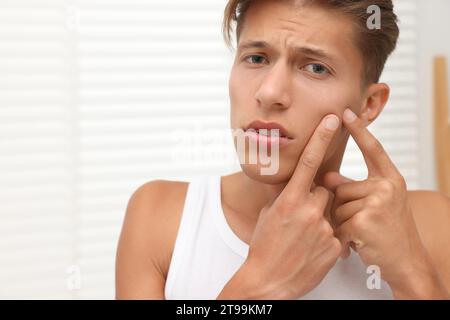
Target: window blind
<point x="94" y="96"/>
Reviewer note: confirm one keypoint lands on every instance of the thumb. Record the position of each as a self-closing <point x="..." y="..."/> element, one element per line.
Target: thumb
<point x="334" y="179"/>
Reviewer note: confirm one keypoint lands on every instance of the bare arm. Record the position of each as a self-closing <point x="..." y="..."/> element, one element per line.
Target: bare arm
<point x="432" y="215"/>
<point x="143" y="251"/>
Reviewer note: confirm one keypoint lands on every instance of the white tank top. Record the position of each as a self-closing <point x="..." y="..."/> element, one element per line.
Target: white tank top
<point x="207" y="253"/>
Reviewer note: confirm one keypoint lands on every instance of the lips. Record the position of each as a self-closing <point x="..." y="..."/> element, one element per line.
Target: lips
<point x="259" y="132"/>
<point x="265" y="128"/>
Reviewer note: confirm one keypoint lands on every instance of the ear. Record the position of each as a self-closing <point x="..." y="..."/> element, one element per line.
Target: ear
<point x="375" y="98"/>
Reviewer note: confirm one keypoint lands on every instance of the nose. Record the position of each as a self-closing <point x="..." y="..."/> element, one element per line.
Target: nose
<point x="274" y="89"/>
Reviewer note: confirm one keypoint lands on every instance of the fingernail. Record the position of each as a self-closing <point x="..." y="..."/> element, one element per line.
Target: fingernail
<point x="349" y="115"/>
<point x="332" y="122"/>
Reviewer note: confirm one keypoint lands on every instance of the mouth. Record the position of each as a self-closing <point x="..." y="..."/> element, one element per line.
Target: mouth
<point x="268" y="133"/>
<point x="269" y="128"/>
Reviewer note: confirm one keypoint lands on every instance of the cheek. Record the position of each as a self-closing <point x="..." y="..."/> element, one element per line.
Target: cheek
<point x="241" y="96"/>
<point x="323" y="102"/>
<point x="233" y="86"/>
<point x="312" y="105"/>
<point x="314" y="100"/>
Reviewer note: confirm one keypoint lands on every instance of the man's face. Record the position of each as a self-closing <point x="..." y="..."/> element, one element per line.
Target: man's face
<point x="274" y="82"/>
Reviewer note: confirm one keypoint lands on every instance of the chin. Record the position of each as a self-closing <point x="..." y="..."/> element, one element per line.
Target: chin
<point x="255" y="172"/>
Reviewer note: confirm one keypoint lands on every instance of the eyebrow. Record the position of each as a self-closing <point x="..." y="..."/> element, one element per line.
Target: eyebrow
<point x="300" y="50"/>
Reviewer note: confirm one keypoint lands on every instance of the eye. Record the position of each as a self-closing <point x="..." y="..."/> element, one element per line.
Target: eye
<point x="317" y="68"/>
<point x="254" y="59"/>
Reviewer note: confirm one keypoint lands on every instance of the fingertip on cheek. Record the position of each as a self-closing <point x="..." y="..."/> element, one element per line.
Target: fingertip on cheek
<point x="349" y="116"/>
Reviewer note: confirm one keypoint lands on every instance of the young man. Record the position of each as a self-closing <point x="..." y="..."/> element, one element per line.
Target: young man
<point x="310" y="68"/>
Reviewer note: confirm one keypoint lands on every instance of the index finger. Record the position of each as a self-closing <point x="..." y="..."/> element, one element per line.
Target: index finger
<point x="312" y="156"/>
<point x="376" y="158"/>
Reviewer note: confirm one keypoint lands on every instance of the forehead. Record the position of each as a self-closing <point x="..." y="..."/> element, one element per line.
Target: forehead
<point x="286" y="26"/>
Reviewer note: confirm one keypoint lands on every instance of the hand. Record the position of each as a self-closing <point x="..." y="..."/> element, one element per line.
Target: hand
<point x="374" y="217"/>
<point x="293" y="246"/>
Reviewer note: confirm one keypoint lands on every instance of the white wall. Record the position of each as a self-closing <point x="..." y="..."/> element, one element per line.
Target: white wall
<point x="434" y="39"/>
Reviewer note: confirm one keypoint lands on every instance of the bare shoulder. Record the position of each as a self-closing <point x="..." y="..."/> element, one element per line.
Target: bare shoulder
<point x="429" y="207"/>
<point x="147" y="239"/>
<point x="431" y="212"/>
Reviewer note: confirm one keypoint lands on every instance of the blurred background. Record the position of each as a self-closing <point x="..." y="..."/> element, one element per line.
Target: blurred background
<point x="94" y="96"/>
